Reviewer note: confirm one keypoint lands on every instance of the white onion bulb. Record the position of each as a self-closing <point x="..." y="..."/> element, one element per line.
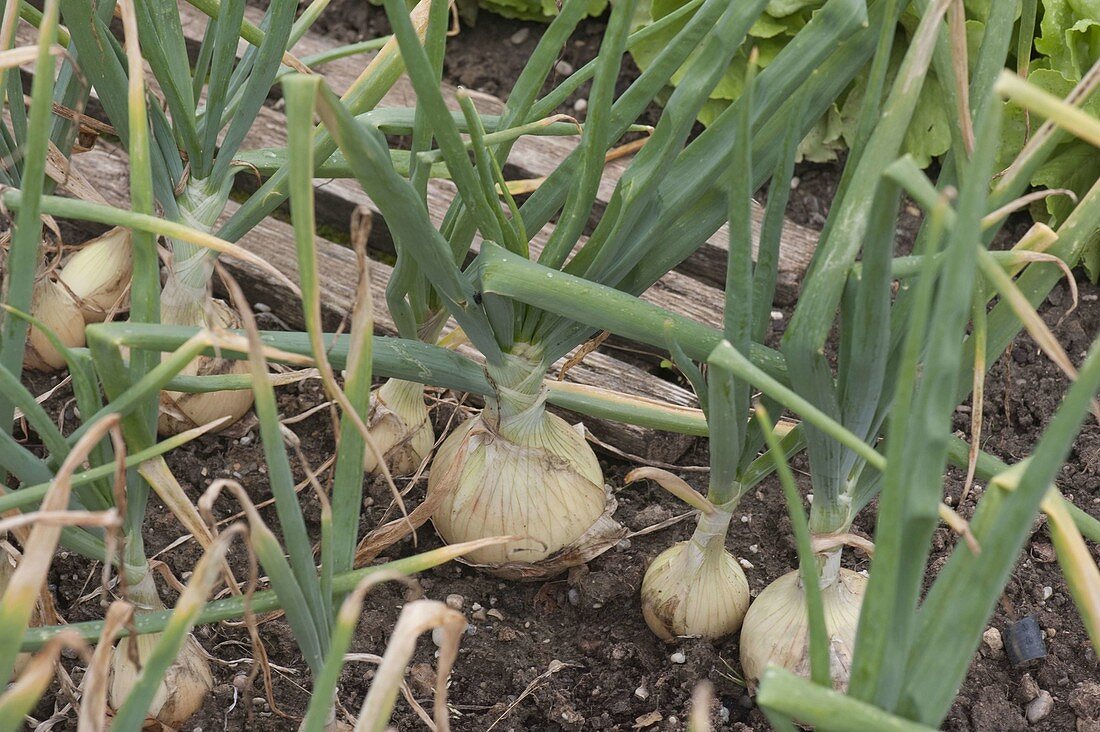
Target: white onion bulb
<point x="695" y="588"/>
<point x="776" y="628"/>
<point x="533" y="476"/>
<point x="400" y="427"/>
<point x="99" y="274"/>
<point x="180" y="411"/>
<point x="185" y="686"/>
<point x="59" y="311"/>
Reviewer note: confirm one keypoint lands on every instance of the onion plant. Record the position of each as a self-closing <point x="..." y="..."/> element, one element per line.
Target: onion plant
<point x="697" y="587"/>
<point x="842" y="414"/>
<point x="39" y="275"/>
<point x="525" y="470"/>
<point x="209" y="106"/>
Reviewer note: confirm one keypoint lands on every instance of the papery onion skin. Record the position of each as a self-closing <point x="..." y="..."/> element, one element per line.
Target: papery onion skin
<point x="188" y="680"/>
<point x="541" y="481"/>
<point x="689" y="592"/>
<point x="182" y="692"/>
<point x="400" y="427"/>
<point x="99" y="274"/>
<point x="59" y="311"/>
<point x="180" y="411"/>
<point x="776" y="628"/>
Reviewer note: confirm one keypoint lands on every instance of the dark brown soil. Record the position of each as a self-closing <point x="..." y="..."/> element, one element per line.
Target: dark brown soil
<point x="616" y="674"/>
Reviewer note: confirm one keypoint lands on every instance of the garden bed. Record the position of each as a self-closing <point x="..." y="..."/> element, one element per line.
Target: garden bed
<point x="574" y="653"/>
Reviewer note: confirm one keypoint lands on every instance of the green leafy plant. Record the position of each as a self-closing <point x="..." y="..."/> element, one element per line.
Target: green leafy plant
<point x="1056" y="46"/>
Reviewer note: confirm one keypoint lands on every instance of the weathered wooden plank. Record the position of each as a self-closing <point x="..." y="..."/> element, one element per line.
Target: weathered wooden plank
<point x="273" y="239"/>
<point x="535" y="157"/>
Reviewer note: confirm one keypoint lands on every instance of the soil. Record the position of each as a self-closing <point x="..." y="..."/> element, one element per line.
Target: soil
<point x="614" y="674"/>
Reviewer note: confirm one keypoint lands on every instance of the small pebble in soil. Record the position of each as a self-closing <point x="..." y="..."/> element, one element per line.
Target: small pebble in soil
<point x="438" y="637"/>
<point x="479" y="616"/>
<point x="574" y="596"/>
<point x="745" y="563"/>
<point x="1047" y="592"/>
<point x="623" y="545"/>
<point x="745" y="519"/>
<point x="993" y="642"/>
<point x="580" y="106"/>
<point x="519" y="36"/>
<point x="1029" y="689"/>
<point x="455" y="601"/>
<point x="563" y="67"/>
<point x="678" y="657"/>
<point x="476" y="606"/>
<point x="777" y="315"/>
<point x="1040" y="707"/>
<point x="494" y="613"/>
<point x="642" y="693"/>
<point x="754" y="548"/>
<point x="795" y="181"/>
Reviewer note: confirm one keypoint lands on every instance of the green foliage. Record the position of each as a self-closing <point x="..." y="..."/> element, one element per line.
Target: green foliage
<point x="1066" y="44"/>
<point x="542" y="10"/>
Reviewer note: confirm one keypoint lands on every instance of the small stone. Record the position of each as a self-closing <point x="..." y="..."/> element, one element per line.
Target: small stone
<point x="476" y="606"/>
<point x="240" y="681"/>
<point x="494" y="613"/>
<point x="563" y="67"/>
<point x="573" y="596"/>
<point x="1029" y="689"/>
<point x="642" y="693"/>
<point x="1040" y="707"/>
<point x="455" y="602"/>
<point x="754" y="548"/>
<point x="259" y="702"/>
<point x="745" y="563"/>
<point x="580" y="106"/>
<point x="777" y="315"/>
<point x="479" y="616"/>
<point x="623" y="545"/>
<point x="795" y="181"/>
<point x="993" y="641"/>
<point x="1047" y="592"/>
<point x="678" y="657"/>
<point x="745" y="519"/>
<point x="517" y="38"/>
<point x="438" y="637"/>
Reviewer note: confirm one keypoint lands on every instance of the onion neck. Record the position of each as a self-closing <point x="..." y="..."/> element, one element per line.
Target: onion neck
<point x="186" y="296"/>
<point x="709" y="537"/>
<point x="518" y="399"/>
<point x="829" y="518"/>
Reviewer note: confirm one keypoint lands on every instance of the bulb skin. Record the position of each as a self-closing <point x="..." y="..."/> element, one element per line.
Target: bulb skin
<point x="776" y="628"/>
<point x="182" y="691"/>
<point x="400" y="427"/>
<point x="542" y="482"/>
<point x="180" y="411"/>
<point x="52" y="304"/>
<point x="687" y="591"/>
<point x="98" y="274"/>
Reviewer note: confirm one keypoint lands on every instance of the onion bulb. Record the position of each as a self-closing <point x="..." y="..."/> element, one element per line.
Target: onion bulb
<point x="180" y="411"/>
<point x="99" y="274"/>
<point x="696" y="587"/>
<point x="776" y="629"/>
<point x="400" y="427"/>
<point x="517" y="470"/>
<point x="186" y="684"/>
<point x="59" y="311"/>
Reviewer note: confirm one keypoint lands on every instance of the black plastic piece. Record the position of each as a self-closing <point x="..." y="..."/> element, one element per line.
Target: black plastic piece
<point x="1025" y="641"/>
